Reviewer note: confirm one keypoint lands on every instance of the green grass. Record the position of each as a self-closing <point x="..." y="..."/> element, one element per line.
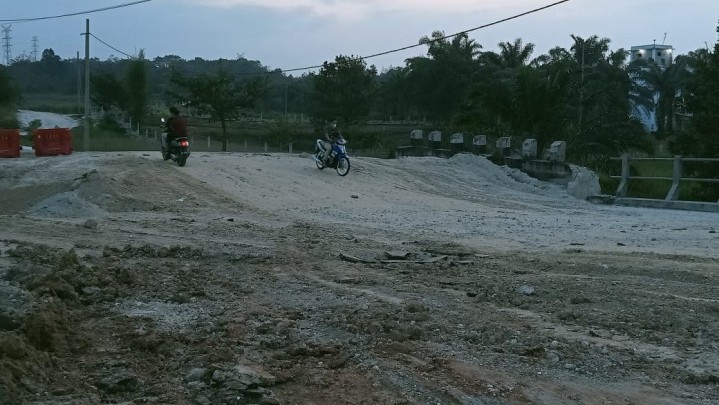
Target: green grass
<point x="56" y="103"/>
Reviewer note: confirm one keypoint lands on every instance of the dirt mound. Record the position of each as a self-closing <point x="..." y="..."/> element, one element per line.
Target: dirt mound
<point x="257" y="279"/>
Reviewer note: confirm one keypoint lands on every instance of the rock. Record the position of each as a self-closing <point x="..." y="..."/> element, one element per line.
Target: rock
<point x="554" y="345"/>
<point x="584" y="183"/>
<point x="355" y="196"/>
<point x="553" y="357"/>
<point x="196" y="386"/>
<point x="90" y="224"/>
<point x="198" y="374"/>
<point x="120" y="381"/>
<point x="242" y="376"/>
<point x="269" y="401"/>
<point x="15" y="306"/>
<point x="202" y="400"/>
<point x="396" y="255"/>
<point x="526" y="290"/>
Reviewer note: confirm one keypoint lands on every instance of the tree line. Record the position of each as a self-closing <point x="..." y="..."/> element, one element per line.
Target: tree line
<point x="587" y="94"/>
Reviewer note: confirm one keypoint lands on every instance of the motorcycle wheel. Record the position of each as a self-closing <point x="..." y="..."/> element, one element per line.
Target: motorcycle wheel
<point x="343" y="166"/>
<point x="319" y="163"/>
<point x="181" y="160"/>
<point x="165" y="154"/>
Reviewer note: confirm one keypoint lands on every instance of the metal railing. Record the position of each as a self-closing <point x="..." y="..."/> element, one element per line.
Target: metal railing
<point x="676" y="178"/>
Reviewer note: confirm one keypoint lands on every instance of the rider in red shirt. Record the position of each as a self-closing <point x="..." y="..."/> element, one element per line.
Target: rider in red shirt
<point x="176" y="126"/>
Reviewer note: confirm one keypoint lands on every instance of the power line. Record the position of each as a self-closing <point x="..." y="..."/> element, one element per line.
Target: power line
<point x="97" y="10"/>
<point x="112" y="47"/>
<point x="536" y="10"/>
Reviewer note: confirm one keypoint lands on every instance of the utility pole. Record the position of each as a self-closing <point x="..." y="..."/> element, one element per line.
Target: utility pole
<point x="6" y="43"/>
<point x="87" y="85"/>
<point x="34" y="48"/>
<point x="78" y="67"/>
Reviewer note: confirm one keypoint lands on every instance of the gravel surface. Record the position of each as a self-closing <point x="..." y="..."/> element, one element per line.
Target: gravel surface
<point x="258" y="279"/>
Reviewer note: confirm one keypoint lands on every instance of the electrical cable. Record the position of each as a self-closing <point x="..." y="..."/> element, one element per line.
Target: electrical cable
<point x="23" y="20"/>
<point x="439" y="39"/>
<point x="112" y="47"/>
<point x="536" y="10"/>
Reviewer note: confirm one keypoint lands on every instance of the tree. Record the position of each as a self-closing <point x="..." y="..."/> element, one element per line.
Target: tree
<point x="106" y="91"/>
<point x="136" y="82"/>
<point x="344" y="90"/>
<point x="392" y="95"/>
<point x="220" y="95"/>
<point x="666" y="86"/>
<point x="702" y="140"/>
<point x="440" y="82"/>
<point x="9" y="95"/>
<point x="513" y="55"/>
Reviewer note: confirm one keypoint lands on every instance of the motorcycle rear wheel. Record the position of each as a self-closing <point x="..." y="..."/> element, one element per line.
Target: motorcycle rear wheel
<point x="343" y="166"/>
<point x="181" y="161"/>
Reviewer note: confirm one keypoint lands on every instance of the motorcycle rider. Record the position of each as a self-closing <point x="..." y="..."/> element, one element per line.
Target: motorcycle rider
<point x="176" y="126"/>
<point x="331" y="135"/>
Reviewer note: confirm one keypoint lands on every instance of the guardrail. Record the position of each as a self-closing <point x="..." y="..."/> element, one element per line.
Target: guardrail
<point x="676" y="178"/>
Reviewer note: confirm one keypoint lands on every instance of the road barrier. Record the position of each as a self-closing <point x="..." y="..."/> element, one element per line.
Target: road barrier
<point x="9" y="143"/>
<point x="52" y="142"/>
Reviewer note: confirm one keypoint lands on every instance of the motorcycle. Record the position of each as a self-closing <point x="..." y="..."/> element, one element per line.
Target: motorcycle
<point x="179" y="149"/>
<point x="338" y="156"/>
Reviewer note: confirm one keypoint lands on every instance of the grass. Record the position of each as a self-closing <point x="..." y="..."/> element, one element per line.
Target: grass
<point x="205" y="136"/>
<point x="55" y="103"/>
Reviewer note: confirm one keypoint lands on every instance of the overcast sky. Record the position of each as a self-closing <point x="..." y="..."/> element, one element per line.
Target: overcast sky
<point x="289" y="34"/>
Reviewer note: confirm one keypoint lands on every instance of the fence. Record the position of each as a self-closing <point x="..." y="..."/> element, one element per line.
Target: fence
<point x="676" y="180"/>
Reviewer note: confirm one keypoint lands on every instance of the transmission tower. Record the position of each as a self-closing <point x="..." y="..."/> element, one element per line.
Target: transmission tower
<point x="34" y="48"/>
<point x="6" y="43"/>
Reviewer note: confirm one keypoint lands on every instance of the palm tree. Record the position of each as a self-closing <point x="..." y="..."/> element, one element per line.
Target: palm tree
<point x="440" y="81"/>
<point x="515" y="55"/>
<point x="666" y="84"/>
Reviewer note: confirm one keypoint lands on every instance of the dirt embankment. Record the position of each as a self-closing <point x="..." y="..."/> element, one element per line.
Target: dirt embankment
<point x="257" y="279"/>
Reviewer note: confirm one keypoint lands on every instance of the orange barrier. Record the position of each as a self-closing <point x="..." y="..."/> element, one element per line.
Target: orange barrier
<point x="52" y="142"/>
<point x="9" y="143"/>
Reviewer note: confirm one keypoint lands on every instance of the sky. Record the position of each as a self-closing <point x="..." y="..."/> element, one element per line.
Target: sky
<point x="288" y="34"/>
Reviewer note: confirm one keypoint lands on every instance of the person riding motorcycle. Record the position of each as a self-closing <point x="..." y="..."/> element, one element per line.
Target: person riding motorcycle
<point x="176" y="126"/>
<point x="331" y="135"/>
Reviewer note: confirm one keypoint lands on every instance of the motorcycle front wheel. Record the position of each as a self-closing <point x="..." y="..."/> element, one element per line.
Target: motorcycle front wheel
<point x="165" y="154"/>
<point x="343" y="166"/>
<point x="319" y="163"/>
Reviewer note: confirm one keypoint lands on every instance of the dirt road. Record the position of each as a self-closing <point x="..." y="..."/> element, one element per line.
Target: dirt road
<point x="257" y="279"/>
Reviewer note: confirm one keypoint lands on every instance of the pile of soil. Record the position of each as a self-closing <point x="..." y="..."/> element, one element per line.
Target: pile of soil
<point x="241" y="279"/>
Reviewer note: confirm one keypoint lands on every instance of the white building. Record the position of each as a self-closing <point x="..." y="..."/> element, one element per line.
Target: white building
<point x="661" y="54"/>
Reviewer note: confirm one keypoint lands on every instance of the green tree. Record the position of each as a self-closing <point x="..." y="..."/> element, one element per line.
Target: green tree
<point x="508" y="92"/>
<point x="440" y="82"/>
<point x="220" y="95"/>
<point x="392" y="100"/>
<point x="666" y="86"/>
<point x="106" y="91"/>
<point x="702" y="140"/>
<point x="344" y="90"/>
<point x="9" y="96"/>
<point x="136" y="83"/>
